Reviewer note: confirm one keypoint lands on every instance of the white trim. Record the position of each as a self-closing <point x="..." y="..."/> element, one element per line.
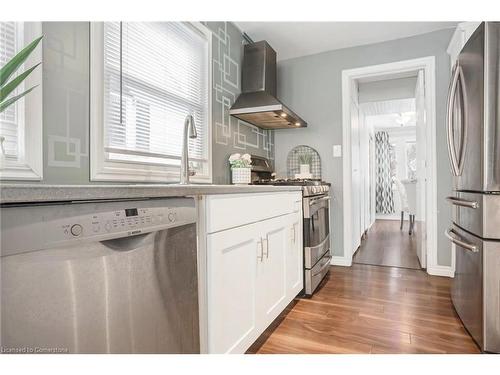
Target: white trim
<point x="341" y="261"/>
<point x="105" y="170"/>
<point x="29" y="166"/>
<point x="348" y="76"/>
<point x="447" y="271"/>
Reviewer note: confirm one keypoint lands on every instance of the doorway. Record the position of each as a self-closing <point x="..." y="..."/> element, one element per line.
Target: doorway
<point x="388" y="124"/>
<point x="405" y="93"/>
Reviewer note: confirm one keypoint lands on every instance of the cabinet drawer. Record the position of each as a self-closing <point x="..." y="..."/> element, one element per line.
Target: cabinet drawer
<point x="233" y="210"/>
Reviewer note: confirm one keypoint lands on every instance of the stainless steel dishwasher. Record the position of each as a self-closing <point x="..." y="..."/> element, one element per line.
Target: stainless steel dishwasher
<point x="100" y="277"/>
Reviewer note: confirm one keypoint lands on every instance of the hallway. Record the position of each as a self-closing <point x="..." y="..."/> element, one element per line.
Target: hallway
<point x="369" y="309"/>
<point x="387" y="245"/>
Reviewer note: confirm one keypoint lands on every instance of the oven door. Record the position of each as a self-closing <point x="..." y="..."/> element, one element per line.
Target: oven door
<point x="316" y="229"/>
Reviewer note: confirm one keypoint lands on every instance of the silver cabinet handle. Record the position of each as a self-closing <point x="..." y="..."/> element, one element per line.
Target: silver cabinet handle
<point x="260" y="247"/>
<point x="265" y="241"/>
<point x="319" y="200"/>
<point x="462" y="202"/>
<point x="294" y="234"/>
<point x="455" y="238"/>
<point x="449" y="120"/>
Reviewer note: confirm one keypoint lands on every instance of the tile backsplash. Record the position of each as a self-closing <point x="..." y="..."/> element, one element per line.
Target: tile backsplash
<point x="66" y="122"/>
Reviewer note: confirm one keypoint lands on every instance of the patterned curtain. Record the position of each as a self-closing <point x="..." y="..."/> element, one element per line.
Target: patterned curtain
<point x="384" y="200"/>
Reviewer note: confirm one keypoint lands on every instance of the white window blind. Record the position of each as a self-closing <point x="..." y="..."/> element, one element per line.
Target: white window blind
<point x="11" y="120"/>
<point x="155" y="73"/>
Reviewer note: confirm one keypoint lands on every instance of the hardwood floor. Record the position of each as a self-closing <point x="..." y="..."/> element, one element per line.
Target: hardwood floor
<point x="387" y="245"/>
<point x="371" y="309"/>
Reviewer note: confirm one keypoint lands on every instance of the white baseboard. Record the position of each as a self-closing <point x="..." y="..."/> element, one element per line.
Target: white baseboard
<point x="341" y="261"/>
<point x="446" y="271"/>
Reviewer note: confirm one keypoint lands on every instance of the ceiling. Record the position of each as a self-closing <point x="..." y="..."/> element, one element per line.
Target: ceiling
<point x="390" y="113"/>
<point x="294" y="39"/>
<point x="401" y="121"/>
<point x="387" y="107"/>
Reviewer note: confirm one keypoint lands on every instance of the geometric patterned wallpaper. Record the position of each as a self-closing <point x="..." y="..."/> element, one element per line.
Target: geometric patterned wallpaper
<point x="231" y="135"/>
<point x="66" y="102"/>
<point x="65" y="149"/>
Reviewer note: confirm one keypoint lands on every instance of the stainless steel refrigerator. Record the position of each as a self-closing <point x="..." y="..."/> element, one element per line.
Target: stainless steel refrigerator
<point x="473" y="126"/>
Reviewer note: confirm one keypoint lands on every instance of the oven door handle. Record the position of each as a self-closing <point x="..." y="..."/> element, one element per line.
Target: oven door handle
<point x="319" y="200"/>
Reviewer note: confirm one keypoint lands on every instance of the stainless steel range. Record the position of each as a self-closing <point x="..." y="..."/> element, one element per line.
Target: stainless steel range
<point x="317" y="257"/>
<point x="315" y="204"/>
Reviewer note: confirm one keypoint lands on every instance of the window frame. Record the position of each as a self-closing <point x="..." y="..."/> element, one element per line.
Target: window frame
<point x="29" y="163"/>
<point x="106" y="170"/>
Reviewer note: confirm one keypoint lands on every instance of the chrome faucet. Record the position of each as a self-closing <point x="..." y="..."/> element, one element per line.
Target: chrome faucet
<point x="189" y="130"/>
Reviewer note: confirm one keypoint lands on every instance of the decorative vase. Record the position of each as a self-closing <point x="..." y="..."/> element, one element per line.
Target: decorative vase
<point x="305" y="169"/>
<point x="241" y="176"/>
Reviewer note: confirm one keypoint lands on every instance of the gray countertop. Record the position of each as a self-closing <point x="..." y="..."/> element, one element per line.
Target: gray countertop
<point x="24" y="193"/>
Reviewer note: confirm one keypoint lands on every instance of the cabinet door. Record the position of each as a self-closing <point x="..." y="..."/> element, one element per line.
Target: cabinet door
<point x="232" y="261"/>
<point x="271" y="276"/>
<point x="294" y="257"/>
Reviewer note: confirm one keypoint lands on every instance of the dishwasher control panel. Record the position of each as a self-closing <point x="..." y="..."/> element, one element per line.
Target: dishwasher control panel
<point x="125" y="222"/>
<point x="47" y="226"/>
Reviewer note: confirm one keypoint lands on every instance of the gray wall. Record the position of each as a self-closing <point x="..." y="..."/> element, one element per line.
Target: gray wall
<point x="311" y="85"/>
<point x="66" y="124"/>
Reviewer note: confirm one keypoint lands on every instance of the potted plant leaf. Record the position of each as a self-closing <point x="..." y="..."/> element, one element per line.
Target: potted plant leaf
<point x="8" y="86"/>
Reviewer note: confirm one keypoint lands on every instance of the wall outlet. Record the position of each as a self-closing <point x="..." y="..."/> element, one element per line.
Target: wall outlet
<point x="337" y="151"/>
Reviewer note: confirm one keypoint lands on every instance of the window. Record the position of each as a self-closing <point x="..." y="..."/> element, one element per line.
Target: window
<point x="146" y="78"/>
<point x="21" y="123"/>
<point x="10" y="118"/>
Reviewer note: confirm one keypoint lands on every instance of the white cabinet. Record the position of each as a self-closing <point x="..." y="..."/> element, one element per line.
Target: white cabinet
<point x="232" y="266"/>
<point x="253" y="272"/>
<point x="271" y="267"/>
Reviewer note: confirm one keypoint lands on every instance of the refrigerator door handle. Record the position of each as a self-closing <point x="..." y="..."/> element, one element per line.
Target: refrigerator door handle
<point x="455" y="238"/>
<point x="462" y="202"/>
<point x="449" y="120"/>
<point x="463" y="120"/>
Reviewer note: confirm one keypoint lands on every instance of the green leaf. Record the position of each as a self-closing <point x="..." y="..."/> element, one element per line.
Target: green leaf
<point x="8" y="102"/>
<point x="8" y="69"/>
<point x="12" y="85"/>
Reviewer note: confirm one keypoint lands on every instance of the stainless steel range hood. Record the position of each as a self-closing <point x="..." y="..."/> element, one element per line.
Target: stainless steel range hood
<point x="257" y="103"/>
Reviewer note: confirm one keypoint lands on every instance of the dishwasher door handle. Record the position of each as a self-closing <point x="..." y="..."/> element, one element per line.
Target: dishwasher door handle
<point x="128" y="243"/>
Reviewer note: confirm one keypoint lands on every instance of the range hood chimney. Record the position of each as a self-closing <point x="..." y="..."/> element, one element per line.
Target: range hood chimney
<point x="257" y="103"/>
